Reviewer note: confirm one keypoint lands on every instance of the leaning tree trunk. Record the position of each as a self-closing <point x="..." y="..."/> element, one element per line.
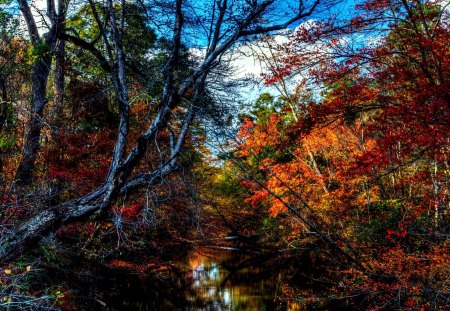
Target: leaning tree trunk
<point x="14" y="242"/>
<point x="47" y="221"/>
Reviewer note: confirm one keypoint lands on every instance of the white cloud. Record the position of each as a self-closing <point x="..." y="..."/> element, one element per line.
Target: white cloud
<point x="251" y="60"/>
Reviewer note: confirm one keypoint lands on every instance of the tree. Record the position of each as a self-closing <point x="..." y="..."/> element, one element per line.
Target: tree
<point x="229" y="24"/>
<point x="12" y="71"/>
<point x="43" y="47"/>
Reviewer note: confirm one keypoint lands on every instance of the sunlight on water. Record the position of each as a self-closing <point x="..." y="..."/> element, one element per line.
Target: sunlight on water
<point x="215" y="287"/>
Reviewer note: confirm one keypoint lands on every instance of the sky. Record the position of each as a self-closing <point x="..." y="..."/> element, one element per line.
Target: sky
<point x="242" y="59"/>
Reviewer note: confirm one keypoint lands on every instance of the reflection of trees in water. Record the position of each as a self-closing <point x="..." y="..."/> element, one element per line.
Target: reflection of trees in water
<point x="222" y="280"/>
<point x="201" y="283"/>
<point x="236" y="283"/>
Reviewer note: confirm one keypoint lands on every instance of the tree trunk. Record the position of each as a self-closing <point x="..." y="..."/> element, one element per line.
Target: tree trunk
<point x="3" y="102"/>
<point x="3" y="111"/>
<point x="14" y="242"/>
<point x="59" y="78"/>
<point x="39" y="76"/>
<point x="48" y="221"/>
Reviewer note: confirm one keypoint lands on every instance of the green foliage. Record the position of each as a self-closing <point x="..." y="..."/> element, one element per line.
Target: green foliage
<point x="138" y="37"/>
<point x="228" y="183"/>
<point x="264" y="107"/>
<point x="385" y="216"/>
<point x="7" y="142"/>
<point x="269" y="223"/>
<point x="8" y="23"/>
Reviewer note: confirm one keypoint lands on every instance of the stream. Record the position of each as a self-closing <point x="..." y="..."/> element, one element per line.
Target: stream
<point x="202" y="280"/>
<point x="211" y="280"/>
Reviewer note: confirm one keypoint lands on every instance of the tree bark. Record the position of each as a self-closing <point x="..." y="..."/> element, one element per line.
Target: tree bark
<point x="60" y="55"/>
<point x="39" y="76"/>
<point x="60" y="75"/>
<point x="3" y="112"/>
<point x="3" y="101"/>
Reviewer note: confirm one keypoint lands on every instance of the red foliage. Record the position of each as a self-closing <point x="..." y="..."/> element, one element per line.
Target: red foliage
<point x="80" y="160"/>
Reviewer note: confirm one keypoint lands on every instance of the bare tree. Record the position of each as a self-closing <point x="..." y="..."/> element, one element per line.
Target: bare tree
<point x="225" y="24"/>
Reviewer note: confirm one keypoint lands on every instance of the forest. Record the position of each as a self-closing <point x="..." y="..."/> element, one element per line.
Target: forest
<point x="224" y="155"/>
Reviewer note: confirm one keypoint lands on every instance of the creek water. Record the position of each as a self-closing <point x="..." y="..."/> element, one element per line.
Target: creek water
<point x="219" y="280"/>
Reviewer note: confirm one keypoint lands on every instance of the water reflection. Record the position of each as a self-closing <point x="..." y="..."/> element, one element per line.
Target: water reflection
<point x="223" y="280"/>
<point x="234" y="283"/>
